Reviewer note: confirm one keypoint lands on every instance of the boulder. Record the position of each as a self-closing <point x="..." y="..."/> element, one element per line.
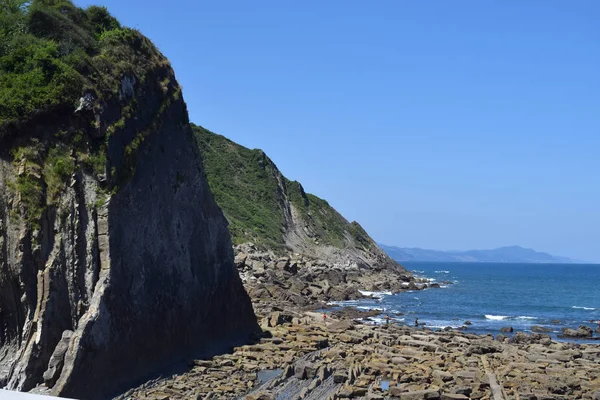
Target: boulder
<point x="240" y="260"/>
<point x="520" y="337"/>
<point x="279" y="318"/>
<point x="540" y="329"/>
<point x="507" y="329"/>
<point x="581" y="332"/>
<point x="305" y="370"/>
<point x="585" y="330"/>
<point x="283" y="263"/>
<point x="501" y="338"/>
<point x="540" y="338"/>
<point x="292" y="268"/>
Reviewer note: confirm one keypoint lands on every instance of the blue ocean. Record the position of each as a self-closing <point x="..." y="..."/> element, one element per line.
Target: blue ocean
<point x="496" y="295"/>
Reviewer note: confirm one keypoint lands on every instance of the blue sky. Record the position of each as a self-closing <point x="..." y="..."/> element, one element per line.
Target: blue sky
<point x="436" y="124"/>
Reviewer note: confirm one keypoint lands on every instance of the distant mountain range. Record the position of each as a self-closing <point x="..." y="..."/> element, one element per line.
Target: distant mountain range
<point x="509" y="254"/>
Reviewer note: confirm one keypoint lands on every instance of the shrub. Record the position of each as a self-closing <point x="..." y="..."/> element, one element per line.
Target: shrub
<point x="58" y="169"/>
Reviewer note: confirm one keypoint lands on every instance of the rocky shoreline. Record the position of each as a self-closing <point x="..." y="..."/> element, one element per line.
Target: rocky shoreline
<point x="303" y="355"/>
<point x="299" y="281"/>
<point x="343" y="358"/>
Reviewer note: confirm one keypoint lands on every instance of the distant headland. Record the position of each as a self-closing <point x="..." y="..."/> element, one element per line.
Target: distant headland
<point x="508" y="254"/>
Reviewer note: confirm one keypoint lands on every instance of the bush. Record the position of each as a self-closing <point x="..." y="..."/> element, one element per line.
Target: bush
<point x="101" y="20"/>
<point x="58" y="169"/>
<point x="47" y="54"/>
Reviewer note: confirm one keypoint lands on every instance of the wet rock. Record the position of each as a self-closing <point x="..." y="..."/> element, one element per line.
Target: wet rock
<point x="507" y="329"/>
<point x="501" y="338"/>
<point x="540" y="329"/>
<point x="520" y="337"/>
<point x="540" y="338"/>
<point x="581" y="332"/>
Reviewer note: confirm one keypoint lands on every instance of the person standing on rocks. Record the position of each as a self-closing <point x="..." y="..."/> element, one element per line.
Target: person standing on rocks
<point x="416" y="322"/>
<point x="324" y="319"/>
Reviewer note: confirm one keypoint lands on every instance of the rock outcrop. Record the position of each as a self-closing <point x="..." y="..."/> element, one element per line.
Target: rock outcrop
<point x="304" y="282"/>
<point x="115" y="259"/>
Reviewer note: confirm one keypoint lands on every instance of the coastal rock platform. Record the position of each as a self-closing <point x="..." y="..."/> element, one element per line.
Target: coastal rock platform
<point x="303" y="357"/>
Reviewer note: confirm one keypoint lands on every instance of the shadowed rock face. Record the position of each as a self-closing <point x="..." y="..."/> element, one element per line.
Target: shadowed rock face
<point x="142" y="279"/>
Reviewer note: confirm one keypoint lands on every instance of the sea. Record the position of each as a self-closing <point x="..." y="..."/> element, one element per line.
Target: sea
<point x="495" y="295"/>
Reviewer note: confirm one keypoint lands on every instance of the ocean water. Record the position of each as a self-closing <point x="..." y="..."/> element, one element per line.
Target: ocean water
<point x="496" y="295"/>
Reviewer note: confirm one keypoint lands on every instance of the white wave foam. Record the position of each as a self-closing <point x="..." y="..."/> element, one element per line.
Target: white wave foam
<point x="381" y="320"/>
<point x="369" y="308"/>
<point x="342" y="303"/>
<point x="584" y="308"/>
<point x="377" y="295"/>
<point x="496" y="317"/>
<point x="443" y="326"/>
<point x="526" y="317"/>
<point x="405" y="283"/>
<point x="442" y="272"/>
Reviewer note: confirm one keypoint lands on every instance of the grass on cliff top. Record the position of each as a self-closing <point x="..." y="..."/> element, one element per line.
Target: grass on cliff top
<point x="51" y="51"/>
<point x="251" y="192"/>
<point x="244" y="183"/>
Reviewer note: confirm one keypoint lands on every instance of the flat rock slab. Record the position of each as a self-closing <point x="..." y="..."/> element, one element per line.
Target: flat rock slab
<point x="419" y="395"/>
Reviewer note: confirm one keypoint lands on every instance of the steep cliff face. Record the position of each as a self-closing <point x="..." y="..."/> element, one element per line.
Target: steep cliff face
<point x="114" y="257"/>
<point x="274" y="213"/>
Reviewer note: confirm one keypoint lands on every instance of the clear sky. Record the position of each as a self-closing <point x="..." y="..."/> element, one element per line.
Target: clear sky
<point x="435" y="124"/>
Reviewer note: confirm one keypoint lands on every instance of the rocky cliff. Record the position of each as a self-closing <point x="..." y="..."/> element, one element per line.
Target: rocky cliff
<point x="115" y="259"/>
<point x="273" y="213"/>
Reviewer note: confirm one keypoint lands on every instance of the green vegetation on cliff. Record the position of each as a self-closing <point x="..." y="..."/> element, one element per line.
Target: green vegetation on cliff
<point x="69" y="81"/>
<point x="255" y="197"/>
<point x="52" y="51"/>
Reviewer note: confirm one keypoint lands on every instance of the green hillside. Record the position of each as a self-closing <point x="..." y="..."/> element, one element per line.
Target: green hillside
<point x="256" y="198"/>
